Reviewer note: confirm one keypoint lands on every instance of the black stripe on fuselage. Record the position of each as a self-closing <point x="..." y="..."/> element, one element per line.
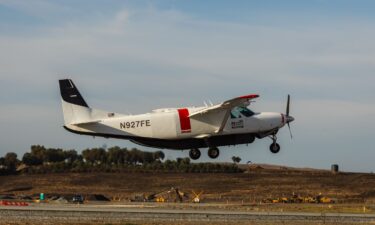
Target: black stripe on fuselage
<point x="70" y="93"/>
<point x="179" y="144"/>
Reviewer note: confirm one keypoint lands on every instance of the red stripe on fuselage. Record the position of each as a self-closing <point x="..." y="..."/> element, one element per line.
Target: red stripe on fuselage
<point x="185" y="125"/>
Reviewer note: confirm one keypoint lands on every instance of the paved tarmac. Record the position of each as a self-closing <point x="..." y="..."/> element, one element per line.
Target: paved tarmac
<point x="94" y="214"/>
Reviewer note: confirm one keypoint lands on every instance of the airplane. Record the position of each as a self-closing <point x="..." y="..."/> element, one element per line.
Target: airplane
<point x="188" y="128"/>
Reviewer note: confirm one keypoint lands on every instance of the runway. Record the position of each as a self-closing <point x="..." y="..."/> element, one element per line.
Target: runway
<point x="115" y="214"/>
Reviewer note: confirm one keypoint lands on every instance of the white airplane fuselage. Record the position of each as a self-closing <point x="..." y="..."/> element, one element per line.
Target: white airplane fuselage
<point x="229" y="123"/>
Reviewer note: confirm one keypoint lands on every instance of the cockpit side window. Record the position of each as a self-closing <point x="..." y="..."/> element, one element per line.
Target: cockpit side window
<point x="235" y="113"/>
<point x="238" y="112"/>
<point x="245" y="111"/>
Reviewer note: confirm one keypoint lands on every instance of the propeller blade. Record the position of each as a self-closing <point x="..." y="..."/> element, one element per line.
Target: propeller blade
<point x="290" y="131"/>
<point x="287" y="106"/>
<point x="289" y="118"/>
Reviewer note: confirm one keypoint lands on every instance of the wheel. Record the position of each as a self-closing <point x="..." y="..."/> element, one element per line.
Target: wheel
<point x="213" y="153"/>
<point x="195" y="153"/>
<point x="274" y="148"/>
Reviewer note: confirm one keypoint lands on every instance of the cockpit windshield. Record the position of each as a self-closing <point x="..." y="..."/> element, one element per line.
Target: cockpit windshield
<point x="238" y="112"/>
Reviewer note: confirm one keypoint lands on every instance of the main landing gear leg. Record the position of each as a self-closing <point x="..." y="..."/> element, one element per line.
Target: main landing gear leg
<point x="274" y="147"/>
<point x="195" y="153"/>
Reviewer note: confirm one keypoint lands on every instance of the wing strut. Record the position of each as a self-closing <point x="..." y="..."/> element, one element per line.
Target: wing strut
<point x="225" y="119"/>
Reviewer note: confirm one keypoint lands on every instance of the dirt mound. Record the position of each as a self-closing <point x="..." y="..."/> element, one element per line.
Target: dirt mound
<point x="22" y="188"/>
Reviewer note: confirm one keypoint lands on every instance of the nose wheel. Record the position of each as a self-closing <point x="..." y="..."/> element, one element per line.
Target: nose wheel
<point x="194" y="153"/>
<point x="274" y="147"/>
<point x="213" y="152"/>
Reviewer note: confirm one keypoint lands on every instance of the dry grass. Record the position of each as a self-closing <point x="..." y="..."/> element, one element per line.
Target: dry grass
<point x="244" y="188"/>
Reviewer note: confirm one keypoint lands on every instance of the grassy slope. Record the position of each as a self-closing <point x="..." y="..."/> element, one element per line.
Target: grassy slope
<point x="253" y="186"/>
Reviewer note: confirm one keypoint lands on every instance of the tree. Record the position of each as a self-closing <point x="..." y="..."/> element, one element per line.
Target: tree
<point x="135" y="156"/>
<point x="159" y="155"/>
<point x="54" y="155"/>
<point x="115" y="156"/>
<point x="148" y="157"/>
<point x="185" y="161"/>
<point x="94" y="155"/>
<point x="31" y="160"/>
<point x="71" y="156"/>
<point x="11" y="161"/>
<point x="39" y="151"/>
<point x="100" y="155"/>
<point x="87" y="156"/>
<point x="236" y="159"/>
<point x="2" y="161"/>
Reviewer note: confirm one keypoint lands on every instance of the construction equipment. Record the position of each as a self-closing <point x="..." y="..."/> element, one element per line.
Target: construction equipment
<point x="277" y="200"/>
<point x="324" y="200"/>
<point x="309" y="199"/>
<point x="298" y="199"/>
<point x="160" y="199"/>
<point x="180" y="195"/>
<point x="170" y="195"/>
<point x="197" y="197"/>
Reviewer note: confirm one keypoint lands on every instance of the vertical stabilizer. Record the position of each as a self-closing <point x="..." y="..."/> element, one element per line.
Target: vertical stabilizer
<point x="75" y="108"/>
<point x="70" y="93"/>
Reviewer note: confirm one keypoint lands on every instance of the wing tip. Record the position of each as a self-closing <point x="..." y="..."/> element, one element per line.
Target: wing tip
<point x="249" y="96"/>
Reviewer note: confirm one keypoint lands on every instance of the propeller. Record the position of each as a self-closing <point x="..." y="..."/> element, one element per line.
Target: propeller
<point x="288" y="106"/>
<point x="289" y="118"/>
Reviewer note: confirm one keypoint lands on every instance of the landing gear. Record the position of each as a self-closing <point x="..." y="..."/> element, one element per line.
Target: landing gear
<point x="213" y="152"/>
<point x="274" y="147"/>
<point x="195" y="153"/>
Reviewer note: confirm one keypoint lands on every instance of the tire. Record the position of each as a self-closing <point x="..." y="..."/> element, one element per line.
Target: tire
<point x="274" y="148"/>
<point x="213" y="153"/>
<point x="194" y="153"/>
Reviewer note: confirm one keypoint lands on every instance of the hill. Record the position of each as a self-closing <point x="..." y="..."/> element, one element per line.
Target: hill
<point x="256" y="183"/>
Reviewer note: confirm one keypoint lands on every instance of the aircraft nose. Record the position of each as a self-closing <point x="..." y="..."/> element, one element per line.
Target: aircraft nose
<point x="289" y="119"/>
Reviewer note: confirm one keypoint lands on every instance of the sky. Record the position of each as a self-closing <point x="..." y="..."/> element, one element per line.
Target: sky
<point x="135" y="56"/>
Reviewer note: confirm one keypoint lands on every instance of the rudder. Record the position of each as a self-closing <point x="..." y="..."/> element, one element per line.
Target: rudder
<point x="70" y="93"/>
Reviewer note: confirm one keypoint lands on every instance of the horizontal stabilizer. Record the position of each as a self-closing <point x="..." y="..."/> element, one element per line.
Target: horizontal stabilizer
<point x="86" y="122"/>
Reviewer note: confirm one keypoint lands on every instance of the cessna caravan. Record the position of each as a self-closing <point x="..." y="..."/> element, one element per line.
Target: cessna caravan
<point x="186" y="128"/>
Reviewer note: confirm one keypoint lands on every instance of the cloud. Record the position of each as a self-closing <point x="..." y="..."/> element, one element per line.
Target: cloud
<point x="176" y="46"/>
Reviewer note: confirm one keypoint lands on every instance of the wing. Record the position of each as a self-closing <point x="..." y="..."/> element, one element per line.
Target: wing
<point x="226" y="107"/>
